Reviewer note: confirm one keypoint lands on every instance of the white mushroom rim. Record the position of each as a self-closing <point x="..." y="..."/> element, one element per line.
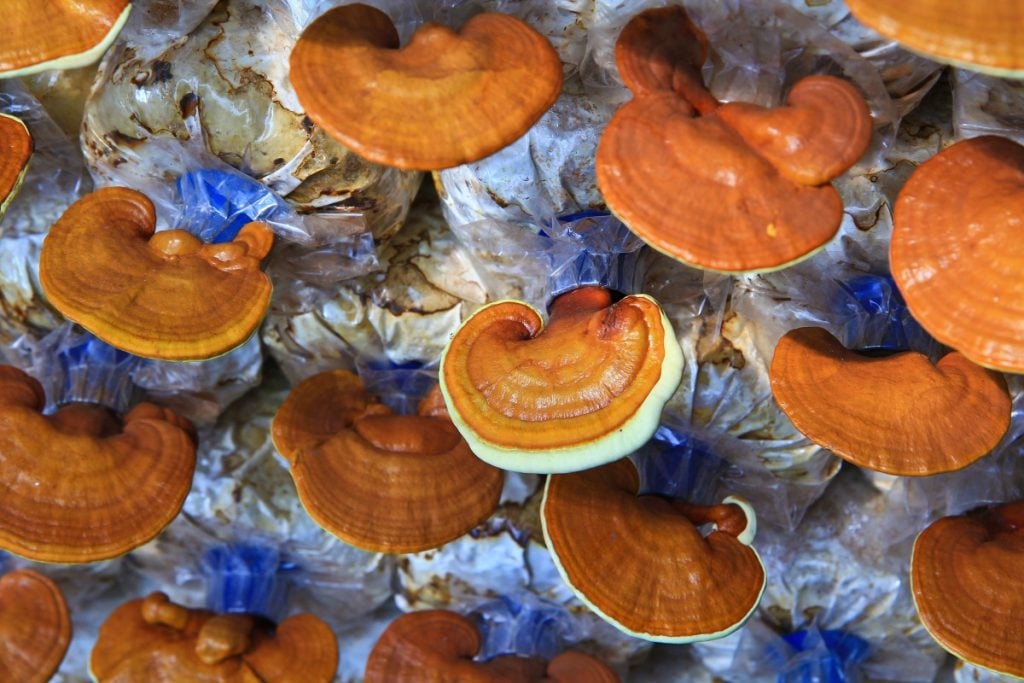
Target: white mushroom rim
<point x="630" y="436"/>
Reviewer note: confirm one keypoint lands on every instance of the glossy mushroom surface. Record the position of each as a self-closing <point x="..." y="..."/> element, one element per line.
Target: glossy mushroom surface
<point x="966" y="573"/>
<point x="585" y="389"/>
<point x="896" y="414"/>
<point x="445" y="99"/>
<point x="642" y="563"/>
<point x="159" y="295"/>
<point x="157" y="641"/>
<point x="58" y="34"/>
<point x="379" y="481"/>
<point x="35" y="627"/>
<point x="957" y="249"/>
<point x="756" y="179"/>
<point x="982" y="36"/>
<point x="15" y="152"/>
<point x="82" y="485"/>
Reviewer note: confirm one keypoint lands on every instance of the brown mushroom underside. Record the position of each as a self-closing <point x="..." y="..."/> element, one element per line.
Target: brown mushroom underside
<point x="897" y="414"/>
<point x="35" y="627"/>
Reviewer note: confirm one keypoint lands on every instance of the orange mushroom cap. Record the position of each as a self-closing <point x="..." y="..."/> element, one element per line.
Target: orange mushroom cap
<point x="165" y="295"/>
<point x="58" y="34"/>
<point x="381" y="482"/>
<point x="966" y="575"/>
<point x="897" y="414"/>
<point x="982" y="35"/>
<point x="586" y="389"/>
<point x="81" y="485"/>
<point x="641" y="563"/>
<point x="577" y="667"/>
<point x="444" y="99"/>
<point x="156" y="641"/>
<point x="35" y="628"/>
<point x="15" y="151"/>
<point x="739" y="188"/>
<point x="957" y="250"/>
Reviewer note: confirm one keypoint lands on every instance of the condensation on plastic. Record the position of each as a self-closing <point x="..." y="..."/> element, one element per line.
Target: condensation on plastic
<point x="986" y="105"/>
<point x="224" y="89"/>
<point x="242" y="493"/>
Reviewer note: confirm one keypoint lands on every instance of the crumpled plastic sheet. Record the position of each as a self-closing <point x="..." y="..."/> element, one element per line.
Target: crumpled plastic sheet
<point x="522" y="625"/>
<point x="399" y="387"/>
<point x="987" y="105"/>
<point x="24" y="310"/>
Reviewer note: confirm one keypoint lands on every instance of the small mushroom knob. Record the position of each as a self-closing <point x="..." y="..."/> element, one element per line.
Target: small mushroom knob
<point x="158" y="609"/>
<point x="224" y="636"/>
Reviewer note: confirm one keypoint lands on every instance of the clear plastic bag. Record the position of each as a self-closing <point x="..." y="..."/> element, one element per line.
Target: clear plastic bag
<point x="986" y="105"/>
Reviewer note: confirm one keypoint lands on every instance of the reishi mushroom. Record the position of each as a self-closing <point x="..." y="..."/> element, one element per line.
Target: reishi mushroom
<point x="981" y="36"/>
<point x="379" y="481"/>
<point x="15" y="152"/>
<point x="159" y="295"/>
<point x="641" y="563"/>
<point x="35" y="627"/>
<point x="586" y="389"/>
<point x="446" y="98"/>
<point x="58" y="34"/>
<point x="897" y="414"/>
<point x="157" y="641"/>
<point x="957" y="249"/>
<point x="966" y="572"/>
<point x="438" y="646"/>
<point x="82" y="485"/>
<point x="730" y="187"/>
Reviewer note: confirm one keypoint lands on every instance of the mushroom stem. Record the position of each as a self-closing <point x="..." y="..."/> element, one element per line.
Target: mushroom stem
<point x="1007" y="518"/>
<point x="158" y="609"/>
<point x="580" y="301"/>
<point x="727" y="517"/>
<point x="86" y="419"/>
<point x="224" y="636"/>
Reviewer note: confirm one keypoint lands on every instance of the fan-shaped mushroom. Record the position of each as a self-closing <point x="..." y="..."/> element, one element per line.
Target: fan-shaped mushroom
<point x="641" y="563"/>
<point x="586" y="389"/>
<point x="966" y="573"/>
<point x="444" y="99"/>
<point x="754" y="180"/>
<point x="58" y="34"/>
<point x="381" y="482"/>
<point x="164" y="295"/>
<point x="82" y="485"/>
<point x="435" y="646"/>
<point x="982" y="36"/>
<point x="35" y="627"/>
<point x="897" y="414"/>
<point x="15" y="151"/>
<point x="957" y="249"/>
<point x="157" y="641"/>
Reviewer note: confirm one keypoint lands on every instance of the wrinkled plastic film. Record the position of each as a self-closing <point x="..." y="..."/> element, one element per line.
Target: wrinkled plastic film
<point x="986" y="105"/>
<point x="522" y="625"/>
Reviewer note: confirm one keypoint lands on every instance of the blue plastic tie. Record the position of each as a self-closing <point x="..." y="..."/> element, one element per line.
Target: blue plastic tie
<point x="676" y="465"/>
<point x="400" y="386"/>
<point x="93" y="371"/>
<point x="878" y="310"/>
<point x="217" y="204"/>
<point x="529" y="629"/>
<point x="245" y="579"/>
<point x="829" y="656"/>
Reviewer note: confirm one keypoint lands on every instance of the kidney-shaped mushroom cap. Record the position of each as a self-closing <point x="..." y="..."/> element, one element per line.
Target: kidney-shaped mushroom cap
<point x="378" y="481"/>
<point x="641" y="563"/>
<point x="165" y="295"/>
<point x="967" y="576"/>
<point x="585" y="390"/>
<point x="35" y="628"/>
<point x="57" y="34"/>
<point x="984" y="35"/>
<point x="957" y="250"/>
<point x="15" y="151"/>
<point x="81" y="485"/>
<point x="896" y="414"/>
<point x="444" y="99"/>
<point x="157" y="641"/>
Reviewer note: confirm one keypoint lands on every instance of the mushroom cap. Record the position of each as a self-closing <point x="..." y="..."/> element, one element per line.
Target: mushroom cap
<point x="577" y="667"/>
<point x="966" y="574"/>
<point x="35" y="628"/>
<point x="641" y="563"/>
<point x="981" y="36"/>
<point x="15" y="151"/>
<point x="586" y="389"/>
<point x="58" y="34"/>
<point x="437" y="646"/>
<point x="378" y="481"/>
<point x="164" y="295"/>
<point x="957" y="249"/>
<point x="81" y="485"/>
<point x="155" y="640"/>
<point x="897" y="414"/>
<point x="444" y="99"/>
<point x="739" y="189"/>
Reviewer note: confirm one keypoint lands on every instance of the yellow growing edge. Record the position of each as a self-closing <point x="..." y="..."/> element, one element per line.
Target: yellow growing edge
<point x="6" y="201"/>
<point x="746" y="538"/>
<point x="78" y="59"/>
<point x="633" y="434"/>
